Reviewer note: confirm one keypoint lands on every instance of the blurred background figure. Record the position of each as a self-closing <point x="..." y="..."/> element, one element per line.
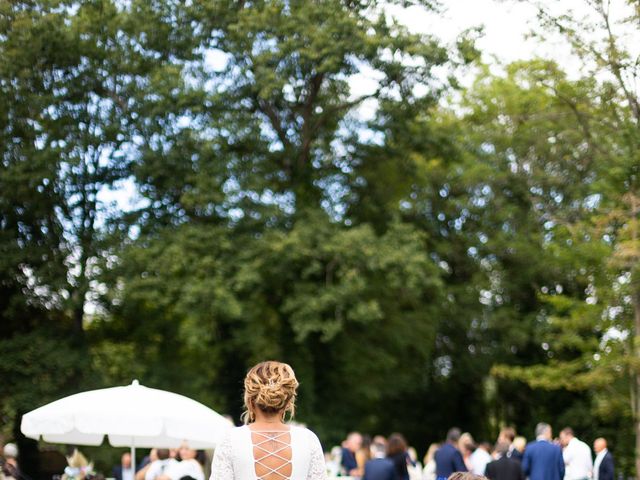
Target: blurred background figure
<point x="333" y="461"/>
<point x="188" y="466"/>
<point x="466" y="445"/>
<point x="143" y="466"/>
<point x="124" y="471"/>
<point x="158" y="466"/>
<point x="603" y="467"/>
<point x="516" y="450"/>
<point x="542" y="459"/>
<point x="578" y="463"/>
<point x="379" y="467"/>
<point x="379" y="440"/>
<point x="507" y="435"/>
<point x="348" y="461"/>
<point x="79" y="467"/>
<point x="504" y="468"/>
<point x="397" y="453"/>
<point x="414" y="466"/>
<point x="429" y="471"/>
<point x="363" y="455"/>
<point x="480" y="457"/>
<point x="448" y="457"/>
<point x="10" y="469"/>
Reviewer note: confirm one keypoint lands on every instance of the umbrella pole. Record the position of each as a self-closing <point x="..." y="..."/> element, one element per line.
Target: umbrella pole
<point x="133" y="456"/>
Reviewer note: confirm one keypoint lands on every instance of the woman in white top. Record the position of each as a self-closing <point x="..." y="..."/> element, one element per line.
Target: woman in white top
<point x="266" y="448"/>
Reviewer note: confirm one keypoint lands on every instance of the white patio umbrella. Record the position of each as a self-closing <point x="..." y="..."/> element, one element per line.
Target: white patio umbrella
<point x="131" y="416"/>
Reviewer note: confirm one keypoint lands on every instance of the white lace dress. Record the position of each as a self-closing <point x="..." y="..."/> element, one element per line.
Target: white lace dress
<point x="234" y="457"/>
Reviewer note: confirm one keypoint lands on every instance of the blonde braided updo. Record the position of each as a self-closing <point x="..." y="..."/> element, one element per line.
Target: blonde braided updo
<point x="271" y="387"/>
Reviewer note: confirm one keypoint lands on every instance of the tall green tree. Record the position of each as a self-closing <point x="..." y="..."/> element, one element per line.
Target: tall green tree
<point x="591" y="327"/>
<point x="249" y="247"/>
<point x="71" y="77"/>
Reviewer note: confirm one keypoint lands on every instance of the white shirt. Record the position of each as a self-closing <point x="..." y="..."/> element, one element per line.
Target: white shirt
<point x="128" y="473"/>
<point x="577" y="460"/>
<point x="234" y="460"/>
<point x="596" y="464"/>
<point x="158" y="467"/>
<point x="429" y="472"/>
<point x="185" y="468"/>
<point x="479" y="459"/>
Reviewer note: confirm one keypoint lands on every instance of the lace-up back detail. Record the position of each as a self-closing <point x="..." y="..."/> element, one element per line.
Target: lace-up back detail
<point x="272" y="454"/>
<point x="294" y="454"/>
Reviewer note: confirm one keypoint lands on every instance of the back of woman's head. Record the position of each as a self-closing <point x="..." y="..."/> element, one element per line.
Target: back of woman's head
<point x="396" y="444"/>
<point x="466" y="476"/>
<point x="270" y="387"/>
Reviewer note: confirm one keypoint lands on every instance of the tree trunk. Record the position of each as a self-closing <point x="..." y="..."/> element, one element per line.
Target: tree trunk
<point x="635" y="285"/>
<point x="636" y="418"/>
<point x="636" y="375"/>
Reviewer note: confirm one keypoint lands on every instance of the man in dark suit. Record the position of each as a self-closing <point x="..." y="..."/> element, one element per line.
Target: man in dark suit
<point x="542" y="459"/>
<point x="603" y="468"/>
<point x="379" y="467"/>
<point x="504" y="468"/>
<point x="448" y="458"/>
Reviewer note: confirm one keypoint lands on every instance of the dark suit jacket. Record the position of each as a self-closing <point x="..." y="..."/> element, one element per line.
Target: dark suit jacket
<point x="449" y="460"/>
<point x="504" y="469"/>
<point x="543" y="461"/>
<point x="379" y="469"/>
<point x="348" y="460"/>
<point x="117" y="472"/>
<point x="605" y="472"/>
<point x="515" y="454"/>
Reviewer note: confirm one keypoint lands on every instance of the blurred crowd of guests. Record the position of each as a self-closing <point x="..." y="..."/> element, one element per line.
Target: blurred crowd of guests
<point x="164" y="464"/>
<point x="378" y="458"/>
<point x="182" y="463"/>
<point x="509" y="458"/>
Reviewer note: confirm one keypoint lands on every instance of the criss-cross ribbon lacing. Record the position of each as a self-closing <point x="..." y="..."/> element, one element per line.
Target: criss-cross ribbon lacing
<point x="276" y="438"/>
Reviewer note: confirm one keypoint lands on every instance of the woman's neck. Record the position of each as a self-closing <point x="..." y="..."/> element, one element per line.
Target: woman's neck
<point x="268" y="421"/>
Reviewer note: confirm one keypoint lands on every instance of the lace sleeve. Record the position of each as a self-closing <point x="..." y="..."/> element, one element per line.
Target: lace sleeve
<point x="317" y="468"/>
<point x="222" y="464"/>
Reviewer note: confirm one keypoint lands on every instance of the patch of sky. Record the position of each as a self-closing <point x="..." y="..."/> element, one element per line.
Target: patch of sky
<point x="614" y="334"/>
<point x="443" y="366"/>
<point x="557" y="197"/>
<point x="592" y="201"/>
<point x="488" y="148"/>
<point x="263" y="44"/>
<point x="123" y="195"/>
<point x="335" y="193"/>
<point x="481" y="196"/>
<point x="216" y="60"/>
<point x="342" y="154"/>
<point x="371" y="137"/>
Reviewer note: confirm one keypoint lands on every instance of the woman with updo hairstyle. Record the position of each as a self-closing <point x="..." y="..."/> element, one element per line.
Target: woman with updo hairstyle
<point x="265" y="447"/>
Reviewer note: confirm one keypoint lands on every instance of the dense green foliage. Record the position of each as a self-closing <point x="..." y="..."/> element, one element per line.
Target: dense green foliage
<point x="423" y="254"/>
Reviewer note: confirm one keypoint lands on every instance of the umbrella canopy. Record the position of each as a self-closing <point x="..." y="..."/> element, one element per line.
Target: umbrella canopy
<point x="131" y="416"/>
